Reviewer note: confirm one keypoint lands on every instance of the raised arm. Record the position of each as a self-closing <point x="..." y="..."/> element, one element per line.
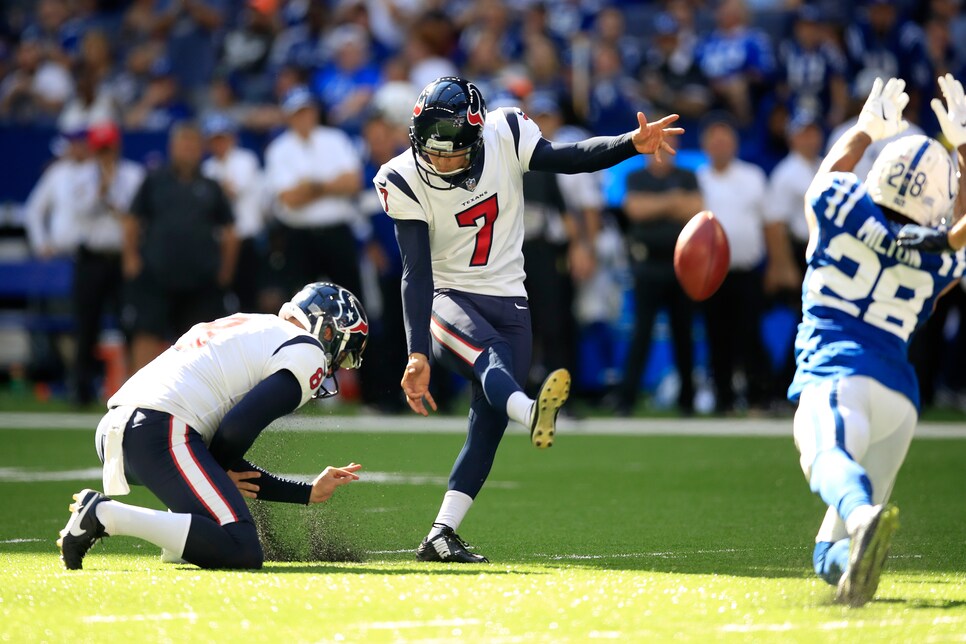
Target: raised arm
<point x="952" y="120"/>
<point x="591" y="155"/>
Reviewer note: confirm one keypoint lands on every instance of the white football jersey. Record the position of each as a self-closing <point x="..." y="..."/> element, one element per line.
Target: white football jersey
<point x="215" y="364"/>
<point x="476" y="236"/>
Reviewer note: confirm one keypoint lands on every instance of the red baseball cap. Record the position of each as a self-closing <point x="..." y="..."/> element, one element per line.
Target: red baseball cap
<point x="103" y="135"/>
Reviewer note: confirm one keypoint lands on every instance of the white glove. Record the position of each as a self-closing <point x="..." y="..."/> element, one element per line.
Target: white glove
<point x="952" y="116"/>
<point x="881" y="116"/>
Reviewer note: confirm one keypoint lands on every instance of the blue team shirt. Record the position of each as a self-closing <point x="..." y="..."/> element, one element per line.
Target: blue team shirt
<point x="863" y="295"/>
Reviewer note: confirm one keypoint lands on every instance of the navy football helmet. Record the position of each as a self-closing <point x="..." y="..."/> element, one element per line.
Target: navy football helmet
<point x="335" y="316"/>
<point x="447" y="121"/>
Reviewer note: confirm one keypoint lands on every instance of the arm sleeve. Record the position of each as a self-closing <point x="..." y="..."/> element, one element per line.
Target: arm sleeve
<point x="417" y="282"/>
<point x="272" y="398"/>
<point x="35" y="213"/>
<point x="589" y="155"/>
<point x="275" y="488"/>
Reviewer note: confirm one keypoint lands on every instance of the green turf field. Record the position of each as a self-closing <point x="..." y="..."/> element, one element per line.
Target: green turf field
<point x="629" y="538"/>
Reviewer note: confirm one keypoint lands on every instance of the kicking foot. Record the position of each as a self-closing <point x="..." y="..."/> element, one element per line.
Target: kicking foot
<point x="543" y="419"/>
<point x="867" y="554"/>
<point x="83" y="529"/>
<point x="447" y="546"/>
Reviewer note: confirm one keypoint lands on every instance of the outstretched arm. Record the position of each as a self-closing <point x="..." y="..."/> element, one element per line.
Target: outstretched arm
<point x="952" y="120"/>
<point x="591" y="155"/>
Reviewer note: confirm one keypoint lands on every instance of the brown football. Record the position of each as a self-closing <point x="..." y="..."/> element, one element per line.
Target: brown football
<point x="701" y="256"/>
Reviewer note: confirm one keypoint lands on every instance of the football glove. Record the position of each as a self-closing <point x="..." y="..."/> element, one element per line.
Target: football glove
<point x="881" y="116"/>
<point x="952" y="115"/>
<point x="924" y="238"/>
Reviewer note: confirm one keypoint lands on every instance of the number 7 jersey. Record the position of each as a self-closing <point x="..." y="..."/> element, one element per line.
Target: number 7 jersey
<point x="475" y="235"/>
<point x="863" y="295"/>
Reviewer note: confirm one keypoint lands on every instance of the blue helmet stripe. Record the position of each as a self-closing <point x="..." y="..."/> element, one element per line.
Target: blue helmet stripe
<point x="912" y="166"/>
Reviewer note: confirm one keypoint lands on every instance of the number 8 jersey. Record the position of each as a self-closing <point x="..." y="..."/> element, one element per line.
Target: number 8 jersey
<point x="475" y="230"/>
<point x="863" y="295"/>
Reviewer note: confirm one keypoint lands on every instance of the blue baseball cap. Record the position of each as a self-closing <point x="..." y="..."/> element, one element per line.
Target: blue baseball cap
<point x="296" y="99"/>
<point x="218" y="123"/>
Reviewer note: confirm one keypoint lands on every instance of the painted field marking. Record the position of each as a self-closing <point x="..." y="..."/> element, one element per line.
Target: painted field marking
<point x="159" y="617"/>
<point x="703" y="427"/>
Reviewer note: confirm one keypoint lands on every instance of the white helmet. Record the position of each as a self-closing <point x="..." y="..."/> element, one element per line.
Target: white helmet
<point x="915" y="176"/>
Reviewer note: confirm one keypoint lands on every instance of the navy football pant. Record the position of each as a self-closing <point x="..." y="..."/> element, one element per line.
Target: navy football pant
<point x="487" y="340"/>
<point x="171" y="459"/>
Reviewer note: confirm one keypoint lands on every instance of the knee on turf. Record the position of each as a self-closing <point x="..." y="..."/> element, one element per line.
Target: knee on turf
<point x="247" y="553"/>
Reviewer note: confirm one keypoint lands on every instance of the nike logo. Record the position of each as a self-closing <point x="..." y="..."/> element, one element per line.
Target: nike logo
<point x="522" y="308"/>
<point x="381" y="183"/>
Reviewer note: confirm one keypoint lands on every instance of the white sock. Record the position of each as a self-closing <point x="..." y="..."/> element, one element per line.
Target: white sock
<point x="518" y="407"/>
<point x="451" y="512"/>
<point x="858" y="516"/>
<point x="168" y="530"/>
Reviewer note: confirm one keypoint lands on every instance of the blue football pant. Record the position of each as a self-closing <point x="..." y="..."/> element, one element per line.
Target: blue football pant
<point x="488" y="341"/>
<point x="171" y="459"/>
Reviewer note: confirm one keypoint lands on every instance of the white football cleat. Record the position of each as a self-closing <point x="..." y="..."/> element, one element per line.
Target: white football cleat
<point x="867" y="554"/>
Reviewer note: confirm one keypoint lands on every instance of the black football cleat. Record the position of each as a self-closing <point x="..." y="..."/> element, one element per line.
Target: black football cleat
<point x="449" y="548"/>
<point x="83" y="529"/>
<point x="543" y="420"/>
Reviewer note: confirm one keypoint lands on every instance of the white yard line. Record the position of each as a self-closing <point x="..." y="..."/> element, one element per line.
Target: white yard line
<point x="781" y="427"/>
<point x="22" y="540"/>
<point x="158" y="617"/>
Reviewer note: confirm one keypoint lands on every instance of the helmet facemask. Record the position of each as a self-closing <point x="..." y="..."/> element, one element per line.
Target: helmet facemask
<point x="447" y="123"/>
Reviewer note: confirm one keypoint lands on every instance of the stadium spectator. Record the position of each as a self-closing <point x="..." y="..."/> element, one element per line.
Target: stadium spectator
<point x="238" y="172"/>
<point x="49" y="211"/>
<point x="610" y="27"/>
<point x="485" y="62"/>
<point x="179" y="249"/>
<point x="314" y="173"/>
<point x="192" y="31"/>
<point x="541" y="59"/>
<point x="161" y="104"/>
<point x="245" y="52"/>
<point x="108" y="185"/>
<point x="135" y="74"/>
<point x="431" y="41"/>
<point x="96" y="55"/>
<point x="37" y="88"/>
<point x="734" y="190"/>
<point x="738" y="61"/>
<point x="614" y="96"/>
<point x="302" y="42"/>
<point x="92" y="103"/>
<point x="672" y="78"/>
<point x="55" y="30"/>
<point x="660" y="199"/>
<point x="345" y="85"/>
<point x="812" y="70"/>
<point x="880" y="42"/>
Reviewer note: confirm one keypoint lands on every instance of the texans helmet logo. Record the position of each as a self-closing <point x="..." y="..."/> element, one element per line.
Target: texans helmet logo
<point x="418" y="107"/>
<point x="475" y="115"/>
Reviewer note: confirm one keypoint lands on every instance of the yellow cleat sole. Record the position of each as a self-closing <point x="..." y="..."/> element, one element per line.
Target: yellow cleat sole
<point x="553" y="394"/>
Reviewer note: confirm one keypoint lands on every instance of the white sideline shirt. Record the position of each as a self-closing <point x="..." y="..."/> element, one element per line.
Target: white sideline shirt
<point x="50" y="211"/>
<point x="241" y="171"/>
<point x="325" y="155"/>
<point x="785" y="200"/>
<point x="736" y="196"/>
<point x="98" y="217"/>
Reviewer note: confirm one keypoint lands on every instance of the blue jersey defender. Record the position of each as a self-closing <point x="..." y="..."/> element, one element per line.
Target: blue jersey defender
<point x="870" y="284"/>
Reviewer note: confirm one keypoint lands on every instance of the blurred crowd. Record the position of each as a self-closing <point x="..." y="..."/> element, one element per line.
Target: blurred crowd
<point x="763" y="87"/>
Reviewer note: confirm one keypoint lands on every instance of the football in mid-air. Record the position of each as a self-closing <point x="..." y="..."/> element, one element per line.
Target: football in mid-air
<point x="701" y="256"/>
